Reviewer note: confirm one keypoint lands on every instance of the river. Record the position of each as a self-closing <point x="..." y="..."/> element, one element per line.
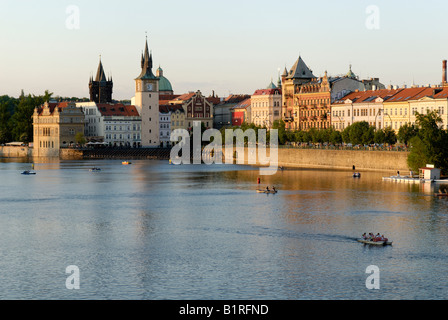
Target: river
<point x="153" y="231"/>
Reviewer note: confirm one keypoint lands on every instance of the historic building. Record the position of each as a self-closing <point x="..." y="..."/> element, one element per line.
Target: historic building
<point x="297" y="75"/>
<point x="172" y="117"/>
<point x="436" y="100"/>
<point x="307" y="99"/>
<point x="100" y="89"/>
<point x="165" y="87"/>
<point x="312" y="105"/>
<point x="266" y="106"/>
<point x="55" y="126"/>
<point x="197" y="107"/>
<point x="241" y="113"/>
<point x="361" y="106"/>
<point x="223" y="109"/>
<point x="147" y="101"/>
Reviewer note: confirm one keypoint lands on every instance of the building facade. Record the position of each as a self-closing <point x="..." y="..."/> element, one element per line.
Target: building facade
<point x="241" y="113"/>
<point x="266" y="106"/>
<point x="56" y="126"/>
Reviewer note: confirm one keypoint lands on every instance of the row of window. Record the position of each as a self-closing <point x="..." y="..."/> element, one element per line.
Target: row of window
<point x="120" y="136"/>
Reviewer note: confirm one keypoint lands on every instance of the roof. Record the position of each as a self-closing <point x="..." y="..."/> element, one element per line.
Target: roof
<point x="119" y="109"/>
<point x="368" y="96"/>
<point x="164" y="83"/>
<point x="170" y="108"/>
<point x="243" y="104"/>
<point x="267" y="92"/>
<point x="146" y="65"/>
<point x="300" y="71"/>
<point x="52" y="106"/>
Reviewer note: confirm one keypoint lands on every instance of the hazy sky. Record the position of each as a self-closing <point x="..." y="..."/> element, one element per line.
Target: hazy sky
<point x="226" y="46"/>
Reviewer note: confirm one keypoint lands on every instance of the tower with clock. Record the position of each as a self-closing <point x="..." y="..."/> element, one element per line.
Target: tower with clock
<point x="147" y="101"/>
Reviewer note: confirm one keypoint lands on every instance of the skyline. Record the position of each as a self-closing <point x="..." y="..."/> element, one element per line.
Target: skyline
<point x="232" y="47"/>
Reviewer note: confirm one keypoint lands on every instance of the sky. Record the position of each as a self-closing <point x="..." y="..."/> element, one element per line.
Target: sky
<point x="229" y="47"/>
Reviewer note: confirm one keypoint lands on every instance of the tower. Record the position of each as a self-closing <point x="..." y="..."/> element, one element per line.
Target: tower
<point x="147" y="101"/>
<point x="100" y="89"/>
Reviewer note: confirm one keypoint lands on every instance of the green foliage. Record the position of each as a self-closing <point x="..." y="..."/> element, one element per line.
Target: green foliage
<point x="406" y="133"/>
<point x="430" y="144"/>
<point x="16" y="123"/>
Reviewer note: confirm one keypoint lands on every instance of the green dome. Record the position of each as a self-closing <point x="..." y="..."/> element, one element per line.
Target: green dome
<point x="164" y="83"/>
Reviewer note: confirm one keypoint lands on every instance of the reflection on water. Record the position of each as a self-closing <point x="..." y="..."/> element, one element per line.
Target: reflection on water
<point x="157" y="231"/>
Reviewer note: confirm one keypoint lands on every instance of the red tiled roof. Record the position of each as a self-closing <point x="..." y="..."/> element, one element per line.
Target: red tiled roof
<point x="170" y="107"/>
<point x="118" y="109"/>
<point x="52" y="106"/>
<point x="266" y="92"/>
<point x="243" y="104"/>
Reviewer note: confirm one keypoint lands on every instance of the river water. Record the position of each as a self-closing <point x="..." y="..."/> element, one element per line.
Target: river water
<point x="155" y="231"/>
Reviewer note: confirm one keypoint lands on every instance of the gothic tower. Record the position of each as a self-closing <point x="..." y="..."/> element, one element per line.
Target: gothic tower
<point x="147" y="101"/>
<point x="100" y="89"/>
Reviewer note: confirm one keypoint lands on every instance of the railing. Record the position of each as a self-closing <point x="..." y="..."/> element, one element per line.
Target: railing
<point x="323" y="146"/>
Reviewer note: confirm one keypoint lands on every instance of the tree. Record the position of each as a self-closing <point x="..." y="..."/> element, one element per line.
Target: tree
<point x="379" y="136"/>
<point x="79" y="138"/>
<point x="430" y="145"/>
<point x="335" y="137"/>
<point x="357" y="131"/>
<point x="389" y="136"/>
<point x="406" y="133"/>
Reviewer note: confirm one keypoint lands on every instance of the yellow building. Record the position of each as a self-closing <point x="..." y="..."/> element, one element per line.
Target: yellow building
<point x="397" y="110"/>
<point x="437" y="101"/>
<point x="55" y="126"/>
<point x="266" y="106"/>
<point x="312" y="103"/>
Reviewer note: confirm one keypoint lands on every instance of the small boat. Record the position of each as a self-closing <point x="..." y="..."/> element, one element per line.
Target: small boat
<point x="28" y="172"/>
<point x="356" y="175"/>
<point x="375" y="243"/>
<point x="441" y="194"/>
<point x="126" y="163"/>
<point x="95" y="169"/>
<point x="266" y="191"/>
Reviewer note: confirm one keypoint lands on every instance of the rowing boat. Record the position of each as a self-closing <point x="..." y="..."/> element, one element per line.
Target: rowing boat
<point x="441" y="194"/>
<point x="375" y="243"/>
<point x="266" y="191"/>
<point x="27" y="172"/>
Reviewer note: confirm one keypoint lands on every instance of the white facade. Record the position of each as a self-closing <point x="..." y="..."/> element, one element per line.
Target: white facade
<point x="105" y="123"/>
<point x="165" y="128"/>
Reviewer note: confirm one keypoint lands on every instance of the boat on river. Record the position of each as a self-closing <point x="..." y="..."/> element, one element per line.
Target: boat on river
<point x="125" y="163"/>
<point x="28" y="172"/>
<point x="356" y="175"/>
<point x="375" y="243"/>
<point x="95" y="169"/>
<point x="266" y="191"/>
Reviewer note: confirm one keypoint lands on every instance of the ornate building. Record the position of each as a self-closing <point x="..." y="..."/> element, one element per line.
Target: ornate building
<point x="312" y="105"/>
<point x="100" y="89"/>
<point x="55" y="126"/>
<point x="291" y="81"/>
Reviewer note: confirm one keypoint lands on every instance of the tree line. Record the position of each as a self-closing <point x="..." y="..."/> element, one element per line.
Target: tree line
<point x="16" y="123"/>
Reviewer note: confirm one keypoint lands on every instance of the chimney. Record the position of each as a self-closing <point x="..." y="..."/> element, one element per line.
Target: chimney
<point x="444" y="72"/>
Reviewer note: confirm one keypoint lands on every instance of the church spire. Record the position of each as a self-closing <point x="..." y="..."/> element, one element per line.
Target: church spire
<point x="100" y="75"/>
<point x="146" y="64"/>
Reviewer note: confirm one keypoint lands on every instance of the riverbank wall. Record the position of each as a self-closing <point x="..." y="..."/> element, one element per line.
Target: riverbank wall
<point x="362" y="160"/>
